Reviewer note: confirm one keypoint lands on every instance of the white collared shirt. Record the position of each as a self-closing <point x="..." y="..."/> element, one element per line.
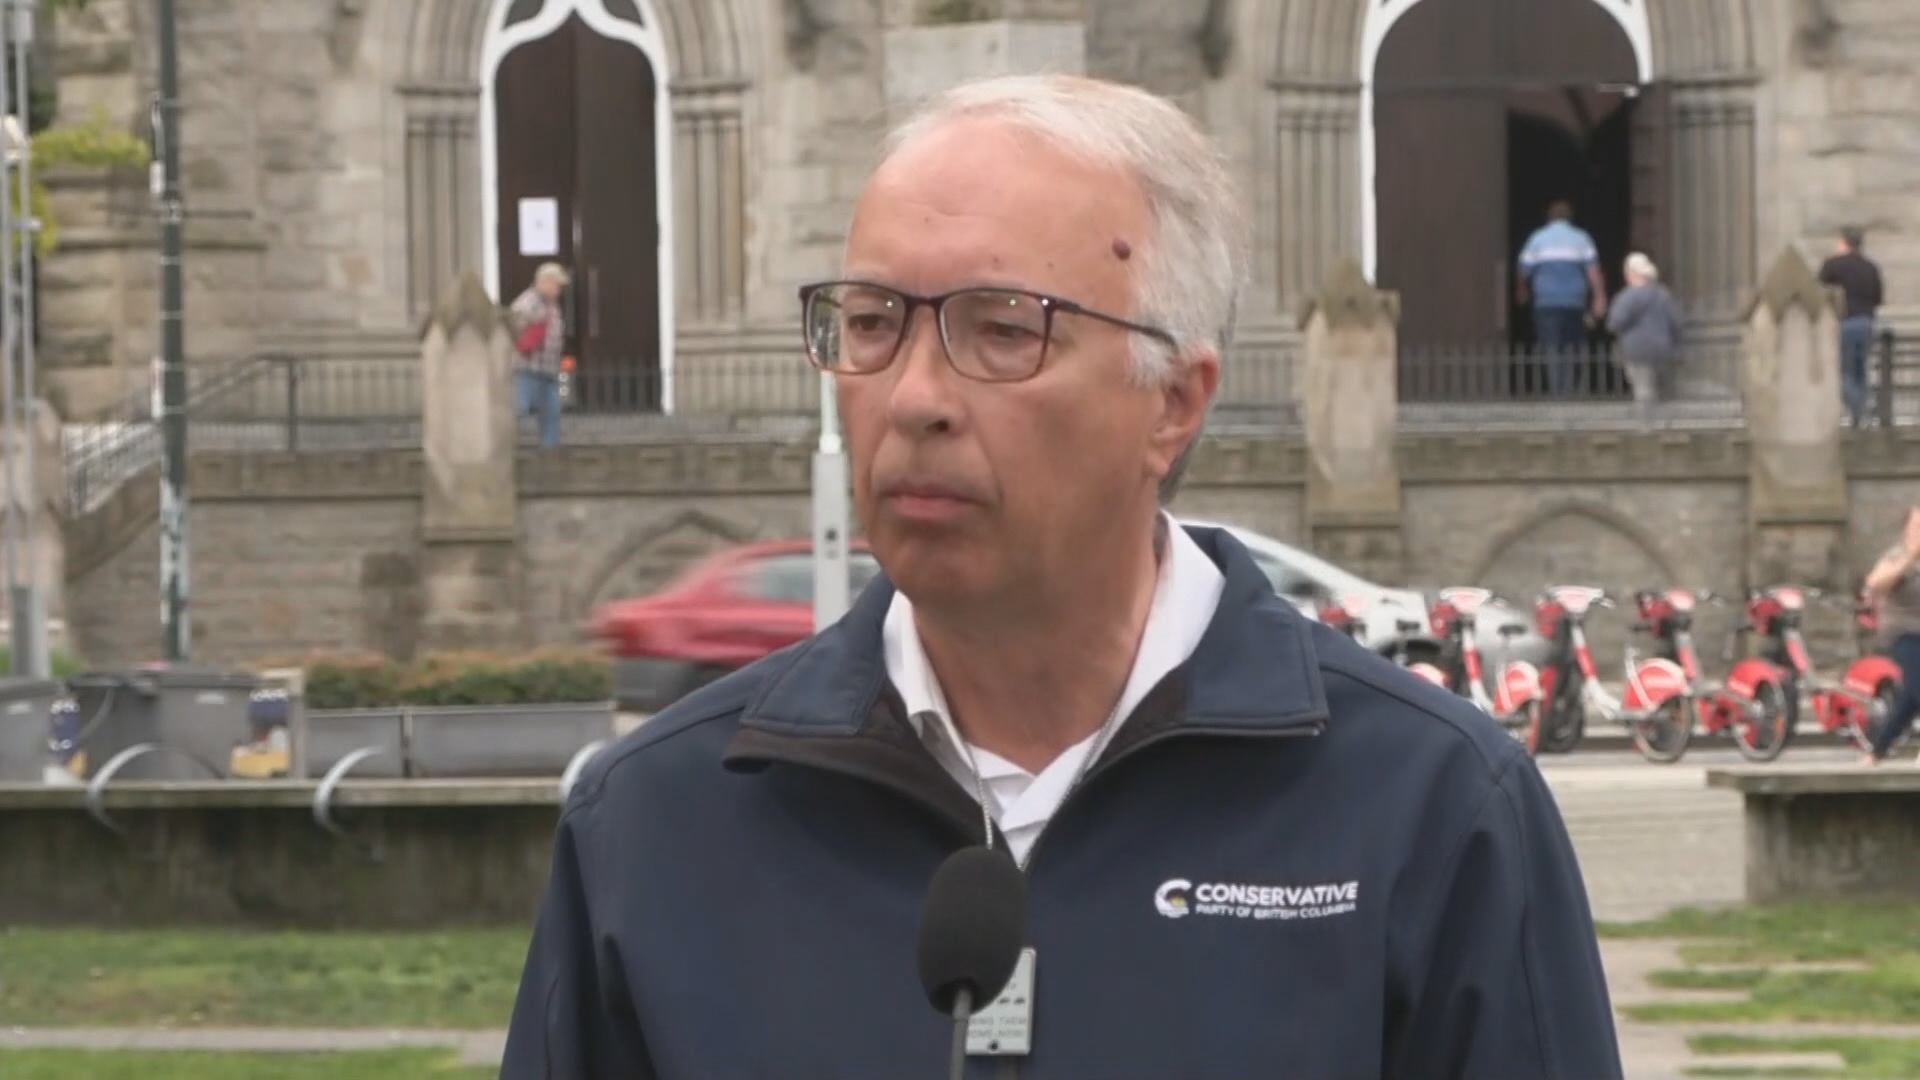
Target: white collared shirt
<point x="1184" y="599"/>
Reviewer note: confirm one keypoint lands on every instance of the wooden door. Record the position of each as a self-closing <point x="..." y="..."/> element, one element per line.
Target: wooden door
<point x="533" y="151"/>
<point x="1448" y="82"/>
<point x="618" y="279"/>
<point x="1440" y="172"/>
<point x="575" y="116"/>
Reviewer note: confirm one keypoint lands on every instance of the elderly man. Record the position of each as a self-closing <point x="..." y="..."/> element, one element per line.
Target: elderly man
<point x="1253" y="849"/>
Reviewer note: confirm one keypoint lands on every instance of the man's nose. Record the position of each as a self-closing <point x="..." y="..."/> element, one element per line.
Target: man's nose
<point x="921" y="399"/>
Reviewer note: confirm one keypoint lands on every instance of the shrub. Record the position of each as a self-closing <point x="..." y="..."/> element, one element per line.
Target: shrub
<point x="546" y="677"/>
<point x="62" y="663"/>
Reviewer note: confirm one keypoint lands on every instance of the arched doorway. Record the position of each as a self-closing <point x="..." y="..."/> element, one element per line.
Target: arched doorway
<point x="1482" y="113"/>
<point x="575" y="152"/>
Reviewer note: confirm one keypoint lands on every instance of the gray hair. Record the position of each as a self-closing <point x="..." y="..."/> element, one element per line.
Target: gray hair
<point x="1640" y="266"/>
<point x="1190" y="269"/>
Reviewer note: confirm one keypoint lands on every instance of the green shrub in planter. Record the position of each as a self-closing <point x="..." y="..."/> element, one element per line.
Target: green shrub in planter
<point x="548" y="677"/>
<point x="354" y="682"/>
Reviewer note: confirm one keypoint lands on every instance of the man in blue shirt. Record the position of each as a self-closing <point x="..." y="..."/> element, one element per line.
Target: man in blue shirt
<point x="1560" y="277"/>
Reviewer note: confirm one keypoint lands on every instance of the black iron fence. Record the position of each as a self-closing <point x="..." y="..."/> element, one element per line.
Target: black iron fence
<point x="1896" y="379"/>
<point x="1502" y="386"/>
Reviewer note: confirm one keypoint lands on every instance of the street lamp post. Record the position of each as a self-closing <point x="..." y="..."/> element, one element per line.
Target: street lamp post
<point x="173" y="372"/>
<point x="830" y="584"/>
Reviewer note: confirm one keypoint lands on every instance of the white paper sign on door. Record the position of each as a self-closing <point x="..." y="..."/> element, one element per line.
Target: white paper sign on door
<point x="539" y="227"/>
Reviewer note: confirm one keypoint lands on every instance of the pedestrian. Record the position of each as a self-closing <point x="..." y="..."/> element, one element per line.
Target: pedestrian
<point x="1646" y="324"/>
<point x="1251" y="846"/>
<point x="1560" y="280"/>
<point x="1895" y="586"/>
<point x="1858" y="279"/>
<point x="539" y="327"/>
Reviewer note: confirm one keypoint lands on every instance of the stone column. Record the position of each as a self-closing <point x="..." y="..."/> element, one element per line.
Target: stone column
<point x="1798" y="498"/>
<point x="44" y="495"/>
<point x="1349" y="401"/>
<point x="948" y="42"/>
<point x="471" y="574"/>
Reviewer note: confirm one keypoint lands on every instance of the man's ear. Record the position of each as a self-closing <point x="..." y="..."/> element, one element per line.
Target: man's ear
<point x="1185" y="397"/>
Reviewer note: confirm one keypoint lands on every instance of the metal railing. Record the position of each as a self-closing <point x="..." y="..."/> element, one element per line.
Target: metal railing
<point x="1896" y="379"/>
<point x="1521" y="388"/>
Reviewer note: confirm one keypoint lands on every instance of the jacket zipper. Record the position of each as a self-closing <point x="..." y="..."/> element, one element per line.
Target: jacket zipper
<point x="1010" y="1065"/>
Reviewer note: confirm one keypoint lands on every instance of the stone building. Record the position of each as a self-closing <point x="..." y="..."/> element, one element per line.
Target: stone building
<point x="346" y="159"/>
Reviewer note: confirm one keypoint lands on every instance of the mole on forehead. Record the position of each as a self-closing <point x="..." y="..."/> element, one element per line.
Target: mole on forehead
<point x="1121" y="249"/>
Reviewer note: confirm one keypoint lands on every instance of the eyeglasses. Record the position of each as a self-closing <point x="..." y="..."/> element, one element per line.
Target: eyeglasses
<point x="993" y="335"/>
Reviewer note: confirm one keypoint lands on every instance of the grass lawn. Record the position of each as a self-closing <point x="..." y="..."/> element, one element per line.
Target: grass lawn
<point x="1750" y="942"/>
<point x="1867" y="1059"/>
<point x="76" y="978"/>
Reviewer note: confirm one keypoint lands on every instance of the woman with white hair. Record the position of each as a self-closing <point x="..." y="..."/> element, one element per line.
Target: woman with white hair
<point x="1645" y="321"/>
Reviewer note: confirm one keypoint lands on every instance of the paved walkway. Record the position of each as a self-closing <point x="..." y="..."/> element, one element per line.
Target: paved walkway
<point x="1651" y="838"/>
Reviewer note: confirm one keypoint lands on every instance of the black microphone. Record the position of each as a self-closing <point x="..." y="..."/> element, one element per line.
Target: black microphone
<point x="972" y="927"/>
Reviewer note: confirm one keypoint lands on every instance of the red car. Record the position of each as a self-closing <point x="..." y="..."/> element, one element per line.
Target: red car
<point x="723" y="613"/>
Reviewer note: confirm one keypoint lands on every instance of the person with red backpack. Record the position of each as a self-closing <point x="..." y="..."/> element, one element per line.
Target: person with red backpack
<point x="538" y="324"/>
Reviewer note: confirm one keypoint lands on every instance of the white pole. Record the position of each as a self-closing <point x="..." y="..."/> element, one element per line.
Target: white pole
<point x="830" y="583"/>
<point x="9" y="335"/>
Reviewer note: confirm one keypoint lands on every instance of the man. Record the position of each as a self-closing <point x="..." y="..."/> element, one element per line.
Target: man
<point x="1859" y="279"/>
<point x="1253" y="848"/>
<point x="538" y="323"/>
<point x="1560" y="277"/>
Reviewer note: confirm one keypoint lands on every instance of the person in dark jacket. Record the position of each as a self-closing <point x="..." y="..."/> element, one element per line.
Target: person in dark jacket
<point x="1858" y="279"/>
<point x="1252" y="847"/>
<point x="1646" y="323"/>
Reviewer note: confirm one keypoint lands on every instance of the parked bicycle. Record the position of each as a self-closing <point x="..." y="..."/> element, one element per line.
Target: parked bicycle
<point x="1757" y="703"/>
<point x="1515" y="700"/>
<point x="1656" y="706"/>
<point x="1868" y="691"/>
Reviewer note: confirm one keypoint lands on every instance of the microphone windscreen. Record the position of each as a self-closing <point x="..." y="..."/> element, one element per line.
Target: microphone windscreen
<point x="972" y="927"/>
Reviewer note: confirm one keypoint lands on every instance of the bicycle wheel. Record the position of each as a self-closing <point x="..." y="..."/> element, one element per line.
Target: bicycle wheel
<point x="1663" y="737"/>
<point x="1761" y="734"/>
<point x="1869" y="718"/>
<point x="1526" y="725"/>
<point x="1564" y="720"/>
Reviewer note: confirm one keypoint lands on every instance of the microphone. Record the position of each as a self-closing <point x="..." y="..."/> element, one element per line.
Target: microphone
<point x="972" y="927"/>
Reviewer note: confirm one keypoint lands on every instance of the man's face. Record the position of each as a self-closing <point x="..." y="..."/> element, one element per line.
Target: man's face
<point x="979" y="492"/>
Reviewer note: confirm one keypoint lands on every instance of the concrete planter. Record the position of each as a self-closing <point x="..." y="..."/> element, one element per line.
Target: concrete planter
<point x="502" y="740"/>
<point x="332" y="734"/>
<point x="924" y="60"/>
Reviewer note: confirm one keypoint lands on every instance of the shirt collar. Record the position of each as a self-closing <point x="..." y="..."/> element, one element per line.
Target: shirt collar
<point x="1184" y="599"/>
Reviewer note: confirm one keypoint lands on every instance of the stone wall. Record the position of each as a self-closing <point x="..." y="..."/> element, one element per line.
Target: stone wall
<point x="322" y="551"/>
<point x="333" y="154"/>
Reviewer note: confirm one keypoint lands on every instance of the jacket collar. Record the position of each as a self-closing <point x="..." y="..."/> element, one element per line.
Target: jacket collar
<point x="1254" y="672"/>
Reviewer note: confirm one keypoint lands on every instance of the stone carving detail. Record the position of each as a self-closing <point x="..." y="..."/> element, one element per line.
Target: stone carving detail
<point x="1791" y="284"/>
<point x="1350" y="302"/>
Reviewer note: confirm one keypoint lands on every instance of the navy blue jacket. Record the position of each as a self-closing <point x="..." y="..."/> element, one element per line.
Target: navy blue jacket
<point x="1295" y="860"/>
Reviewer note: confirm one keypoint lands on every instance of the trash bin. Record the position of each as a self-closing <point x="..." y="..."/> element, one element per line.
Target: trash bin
<point x="197" y="712"/>
<point x="26" y="728"/>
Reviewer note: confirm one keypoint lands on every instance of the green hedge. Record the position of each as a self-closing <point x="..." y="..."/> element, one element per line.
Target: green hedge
<point x="61" y="662"/>
<point x="549" y="677"/>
